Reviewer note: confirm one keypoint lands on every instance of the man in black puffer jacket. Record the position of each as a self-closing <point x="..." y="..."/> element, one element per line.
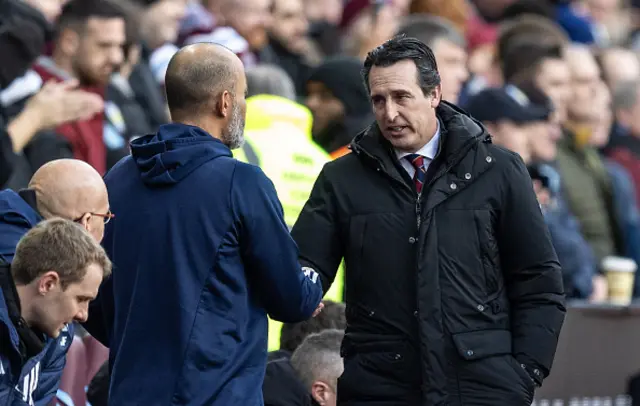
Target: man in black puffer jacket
<point x="454" y="291"/>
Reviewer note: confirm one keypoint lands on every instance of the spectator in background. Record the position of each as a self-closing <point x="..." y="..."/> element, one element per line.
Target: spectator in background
<point x="217" y="253"/>
<point x="292" y="49"/>
<point x="545" y="67"/>
<point x="449" y="47"/>
<point x="318" y="364"/>
<point x="366" y="25"/>
<point x="455" y="12"/>
<point x="587" y="184"/>
<point x="245" y="30"/>
<point x="125" y="117"/>
<point x="24" y="29"/>
<point x="527" y="30"/>
<point x="55" y="273"/>
<point x="535" y="139"/>
<point x="278" y="140"/>
<point x="88" y="47"/>
<point x="339" y="102"/>
<point x="29" y="135"/>
<point x="509" y="118"/>
<point x="270" y="79"/>
<point x="324" y="18"/>
<point x="282" y="386"/>
<point x="618" y="65"/>
<point x="625" y="149"/>
<point x="332" y="317"/>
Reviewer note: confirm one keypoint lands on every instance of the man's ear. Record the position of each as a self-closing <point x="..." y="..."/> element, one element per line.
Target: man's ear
<point x="48" y="282"/>
<point x="224" y="106"/>
<point x="436" y="96"/>
<point x="68" y="41"/>
<point x="320" y="392"/>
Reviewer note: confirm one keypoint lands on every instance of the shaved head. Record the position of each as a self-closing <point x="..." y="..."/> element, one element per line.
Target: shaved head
<point x="206" y="86"/>
<point x="71" y="189"/>
<point x="197" y="75"/>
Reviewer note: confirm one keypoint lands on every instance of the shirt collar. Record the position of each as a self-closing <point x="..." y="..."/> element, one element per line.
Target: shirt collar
<point x="429" y="150"/>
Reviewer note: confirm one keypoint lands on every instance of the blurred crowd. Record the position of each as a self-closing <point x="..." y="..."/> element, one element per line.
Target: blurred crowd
<point x="557" y="81"/>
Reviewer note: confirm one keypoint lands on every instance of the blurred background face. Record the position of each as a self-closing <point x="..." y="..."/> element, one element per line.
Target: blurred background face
<point x="511" y="136"/>
<point x="327" y="10"/>
<point x="585" y="80"/>
<point x="290" y="24"/>
<point x="620" y="65"/>
<point x="554" y="79"/>
<point x="602" y="116"/>
<point x="630" y="118"/>
<point x="543" y="138"/>
<point x="98" y="50"/>
<point x="161" y="22"/>
<point x="49" y="8"/>
<point x="452" y="65"/>
<point x="325" y="107"/>
<point x="251" y="19"/>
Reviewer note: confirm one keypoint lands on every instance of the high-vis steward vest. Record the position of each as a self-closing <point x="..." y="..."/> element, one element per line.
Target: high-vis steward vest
<point x="277" y="139"/>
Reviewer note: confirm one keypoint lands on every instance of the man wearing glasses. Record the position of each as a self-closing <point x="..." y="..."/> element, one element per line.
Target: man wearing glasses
<point x="66" y="188"/>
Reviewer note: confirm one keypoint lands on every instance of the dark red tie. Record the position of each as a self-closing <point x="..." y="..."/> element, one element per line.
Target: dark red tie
<point x="419" y="177"/>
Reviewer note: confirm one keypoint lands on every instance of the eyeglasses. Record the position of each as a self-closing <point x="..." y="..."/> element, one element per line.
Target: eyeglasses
<point x="107" y="217"/>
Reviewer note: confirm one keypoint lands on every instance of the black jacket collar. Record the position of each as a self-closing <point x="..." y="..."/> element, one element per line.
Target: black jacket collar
<point x="31" y="341"/>
<point x="458" y="133"/>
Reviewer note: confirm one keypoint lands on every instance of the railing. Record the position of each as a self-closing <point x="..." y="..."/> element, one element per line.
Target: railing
<point x="598" y="352"/>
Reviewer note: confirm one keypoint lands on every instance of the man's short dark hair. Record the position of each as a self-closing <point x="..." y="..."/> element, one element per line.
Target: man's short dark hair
<point x="529" y="29"/>
<point x="540" y="8"/>
<point x="331" y="317"/>
<point x="191" y="86"/>
<point x="522" y="61"/>
<point x="429" y="29"/>
<point x="401" y="48"/>
<point x="76" y="13"/>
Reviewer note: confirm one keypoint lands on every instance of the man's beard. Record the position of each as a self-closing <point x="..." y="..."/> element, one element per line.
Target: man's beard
<point x="234" y="136"/>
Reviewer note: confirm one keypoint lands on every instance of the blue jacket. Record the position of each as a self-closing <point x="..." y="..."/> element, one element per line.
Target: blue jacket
<point x="16" y="218"/>
<point x="574" y="253"/>
<point x="201" y="255"/>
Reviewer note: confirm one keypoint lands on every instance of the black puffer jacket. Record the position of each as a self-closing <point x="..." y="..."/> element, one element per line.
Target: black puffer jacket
<point x="447" y="294"/>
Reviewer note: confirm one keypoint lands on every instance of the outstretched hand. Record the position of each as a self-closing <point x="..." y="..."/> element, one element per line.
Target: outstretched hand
<point x="318" y="310"/>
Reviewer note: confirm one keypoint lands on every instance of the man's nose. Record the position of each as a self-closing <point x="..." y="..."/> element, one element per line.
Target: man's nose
<point x="82" y="315"/>
<point x="391" y="111"/>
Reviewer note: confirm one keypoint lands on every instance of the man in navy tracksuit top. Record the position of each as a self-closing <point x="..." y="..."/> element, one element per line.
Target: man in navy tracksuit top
<point x="201" y="252"/>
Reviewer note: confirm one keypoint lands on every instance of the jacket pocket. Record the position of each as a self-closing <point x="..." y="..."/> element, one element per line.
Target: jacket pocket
<point x="486" y="370"/>
<point x="385" y="370"/>
<point x="489" y="251"/>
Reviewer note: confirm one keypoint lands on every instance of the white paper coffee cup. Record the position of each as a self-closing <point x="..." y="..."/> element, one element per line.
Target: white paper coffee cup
<point x="620" y="274"/>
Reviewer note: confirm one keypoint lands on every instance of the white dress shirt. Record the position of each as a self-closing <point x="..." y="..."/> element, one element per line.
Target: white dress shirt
<point x="428" y="151"/>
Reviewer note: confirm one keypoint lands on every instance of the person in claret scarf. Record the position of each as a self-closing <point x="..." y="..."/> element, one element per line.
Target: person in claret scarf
<point x="88" y="47"/>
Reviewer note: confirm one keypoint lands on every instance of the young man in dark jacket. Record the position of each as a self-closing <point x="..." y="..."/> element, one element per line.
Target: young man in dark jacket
<point x="454" y="291"/>
<point x="202" y="251"/>
<point x="55" y="273"/>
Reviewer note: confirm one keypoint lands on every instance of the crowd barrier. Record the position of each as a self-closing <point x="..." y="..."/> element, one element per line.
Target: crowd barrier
<point x="598" y="352"/>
